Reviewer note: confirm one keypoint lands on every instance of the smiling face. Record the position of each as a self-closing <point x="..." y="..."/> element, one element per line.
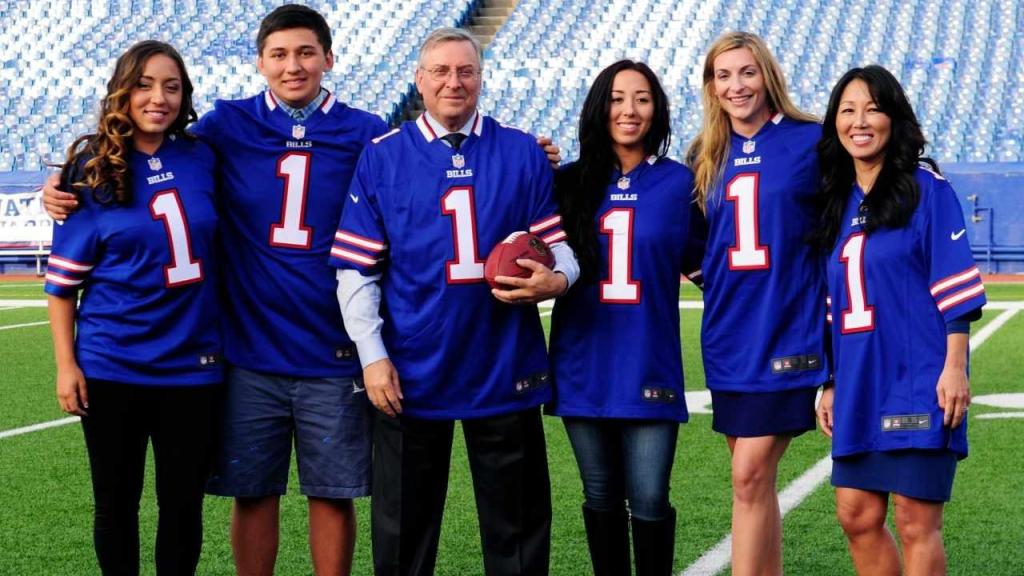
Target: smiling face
<point x="630" y="112"/>
<point x="294" y="63"/>
<point x="863" y="129"/>
<point x="154" y="102"/>
<point x="449" y="80"/>
<point x="740" y="89"/>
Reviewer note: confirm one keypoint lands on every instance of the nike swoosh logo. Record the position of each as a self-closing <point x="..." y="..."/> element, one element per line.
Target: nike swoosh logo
<point x="957" y="235"/>
<point x="355" y="199"/>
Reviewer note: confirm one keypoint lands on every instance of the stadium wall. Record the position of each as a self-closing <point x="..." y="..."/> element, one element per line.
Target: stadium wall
<point x="991" y="195"/>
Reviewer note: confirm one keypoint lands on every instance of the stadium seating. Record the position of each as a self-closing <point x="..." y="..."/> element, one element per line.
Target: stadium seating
<point x="961" y="62"/>
<point x="56" y="56"/>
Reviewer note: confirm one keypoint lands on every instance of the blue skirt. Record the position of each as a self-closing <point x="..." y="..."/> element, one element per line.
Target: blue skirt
<point x="921" y="474"/>
<point x="752" y="414"/>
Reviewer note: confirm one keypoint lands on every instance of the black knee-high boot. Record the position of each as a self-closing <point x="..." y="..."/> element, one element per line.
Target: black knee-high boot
<point x="654" y="545"/>
<point x="608" y="540"/>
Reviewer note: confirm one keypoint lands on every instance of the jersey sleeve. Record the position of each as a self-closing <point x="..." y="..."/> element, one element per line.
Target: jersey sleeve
<point x="361" y="242"/>
<point x="73" y="255"/>
<point x="544" y="219"/>
<point x="207" y="129"/>
<point x="953" y="277"/>
<point x="695" y="244"/>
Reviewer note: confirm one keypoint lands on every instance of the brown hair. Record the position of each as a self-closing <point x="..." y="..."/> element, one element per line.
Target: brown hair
<point x="104" y="155"/>
<point x="708" y="151"/>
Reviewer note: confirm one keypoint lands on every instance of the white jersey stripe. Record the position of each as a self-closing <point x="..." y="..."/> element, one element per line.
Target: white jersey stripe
<point x="360" y="241"/>
<point x="958" y="297"/>
<point x="69" y="265"/>
<point x="61" y="281"/>
<point x="954" y="280"/>
<point x="545" y="224"/>
<point x="353" y="257"/>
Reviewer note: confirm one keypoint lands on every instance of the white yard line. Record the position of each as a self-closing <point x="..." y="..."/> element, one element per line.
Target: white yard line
<point x="717" y="558"/>
<point x="40" y="426"/>
<point x="13" y="326"/>
<point x="24" y="303"/>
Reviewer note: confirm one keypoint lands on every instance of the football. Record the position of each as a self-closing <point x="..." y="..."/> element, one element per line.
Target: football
<point x="502" y="259"/>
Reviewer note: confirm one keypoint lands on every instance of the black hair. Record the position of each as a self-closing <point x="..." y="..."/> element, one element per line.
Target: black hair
<point x="895" y="193"/>
<point x="292" y="16"/>
<point x="580" y="188"/>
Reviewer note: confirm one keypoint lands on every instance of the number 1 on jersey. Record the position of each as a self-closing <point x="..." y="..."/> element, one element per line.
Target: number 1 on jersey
<point x="748" y="253"/>
<point x="619" y="288"/>
<point x="467" y="266"/>
<point x="183" y="269"/>
<point x="859" y="317"/>
<point x="290" y="231"/>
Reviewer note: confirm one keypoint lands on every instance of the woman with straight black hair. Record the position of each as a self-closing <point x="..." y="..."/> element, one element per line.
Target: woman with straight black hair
<point x="615" y="347"/>
<point x="903" y="287"/>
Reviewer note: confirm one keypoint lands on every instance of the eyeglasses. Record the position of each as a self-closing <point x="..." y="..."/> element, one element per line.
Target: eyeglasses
<point x="442" y="73"/>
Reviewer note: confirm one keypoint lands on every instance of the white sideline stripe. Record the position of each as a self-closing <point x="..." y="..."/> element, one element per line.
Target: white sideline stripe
<point x="717" y="558"/>
<point x="40" y="426"/>
<point x="13" y="326"/>
<point x="2" y="308"/>
<point x="24" y="303"/>
<point x="987" y="330"/>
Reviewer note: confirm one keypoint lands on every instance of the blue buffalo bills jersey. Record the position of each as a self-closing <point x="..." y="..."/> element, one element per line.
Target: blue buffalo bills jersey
<point x="615" y="348"/>
<point x="282" y="188"/>
<point x="890" y="296"/>
<point x="148" y="273"/>
<point x="763" y="330"/>
<point x="425" y="217"/>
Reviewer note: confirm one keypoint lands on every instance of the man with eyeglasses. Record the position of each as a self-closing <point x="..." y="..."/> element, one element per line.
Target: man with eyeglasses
<point x="426" y="204"/>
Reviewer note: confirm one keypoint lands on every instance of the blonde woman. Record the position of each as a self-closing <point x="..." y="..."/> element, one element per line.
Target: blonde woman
<point x="763" y="328"/>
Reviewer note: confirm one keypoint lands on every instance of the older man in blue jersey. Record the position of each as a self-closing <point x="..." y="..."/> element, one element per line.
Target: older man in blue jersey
<point x="427" y="203"/>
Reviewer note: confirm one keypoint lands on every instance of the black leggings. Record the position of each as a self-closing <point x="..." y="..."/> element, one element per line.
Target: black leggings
<point x="122" y="419"/>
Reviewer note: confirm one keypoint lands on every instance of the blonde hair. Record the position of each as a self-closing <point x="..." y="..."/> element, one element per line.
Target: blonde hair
<point x="708" y="151"/>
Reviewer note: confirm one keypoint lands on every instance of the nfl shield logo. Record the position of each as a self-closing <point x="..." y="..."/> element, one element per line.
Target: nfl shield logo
<point x="748" y="146"/>
<point x="155" y="164"/>
<point x="623" y="183"/>
<point x="458" y="160"/>
<point x="298" y="131"/>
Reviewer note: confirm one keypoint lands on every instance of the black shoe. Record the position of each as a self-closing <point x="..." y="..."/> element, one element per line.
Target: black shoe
<point x="654" y="545"/>
<point x="608" y="540"/>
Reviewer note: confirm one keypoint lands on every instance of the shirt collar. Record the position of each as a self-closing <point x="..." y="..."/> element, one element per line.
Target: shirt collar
<point x="301" y="114"/>
<point x="441" y="131"/>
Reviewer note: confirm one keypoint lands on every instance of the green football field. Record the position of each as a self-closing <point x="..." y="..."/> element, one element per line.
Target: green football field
<point x="46" y="507"/>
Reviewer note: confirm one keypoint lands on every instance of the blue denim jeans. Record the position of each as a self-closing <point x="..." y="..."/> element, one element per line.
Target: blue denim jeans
<point x="625" y="461"/>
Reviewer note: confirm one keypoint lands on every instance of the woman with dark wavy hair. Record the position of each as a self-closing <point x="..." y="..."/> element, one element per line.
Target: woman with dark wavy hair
<point x="615" y="347"/>
<point x="138" y="358"/>
<point x="903" y="288"/>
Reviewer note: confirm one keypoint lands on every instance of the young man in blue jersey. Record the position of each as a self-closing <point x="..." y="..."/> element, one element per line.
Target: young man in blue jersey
<point x="427" y="202"/>
<point x="285" y="158"/>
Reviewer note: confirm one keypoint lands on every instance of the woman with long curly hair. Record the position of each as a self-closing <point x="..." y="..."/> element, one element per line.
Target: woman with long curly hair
<point x="903" y="288"/>
<point x="625" y="208"/>
<point x="763" y="329"/>
<point x="139" y="358"/>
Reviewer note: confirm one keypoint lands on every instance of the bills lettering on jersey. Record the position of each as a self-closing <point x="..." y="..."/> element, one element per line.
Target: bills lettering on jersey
<point x="757" y="216"/>
<point x="434" y="232"/>
<point x="160" y="177"/>
<point x="893" y="292"/>
<point x="632" y="302"/>
<point x="283" y="190"/>
<point x="160" y="249"/>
